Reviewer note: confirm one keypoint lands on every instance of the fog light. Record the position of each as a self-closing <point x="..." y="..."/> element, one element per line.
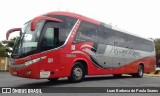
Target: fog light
<point x="28" y="72"/>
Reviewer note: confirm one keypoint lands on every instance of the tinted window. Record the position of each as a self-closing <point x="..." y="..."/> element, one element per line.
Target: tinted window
<point x="140" y="44"/>
<point x="86" y="33"/>
<point x="133" y="42"/>
<point x="106" y="36"/>
<point x="120" y="39"/>
<point x="54" y="34"/>
<point x="51" y="35"/>
<point x="147" y="45"/>
<point x="66" y="26"/>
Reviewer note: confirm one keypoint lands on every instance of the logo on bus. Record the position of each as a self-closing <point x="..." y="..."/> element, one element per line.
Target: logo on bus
<point x="50" y="60"/>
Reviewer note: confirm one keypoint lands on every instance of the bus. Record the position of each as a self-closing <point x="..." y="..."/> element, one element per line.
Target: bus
<point x="64" y="44"/>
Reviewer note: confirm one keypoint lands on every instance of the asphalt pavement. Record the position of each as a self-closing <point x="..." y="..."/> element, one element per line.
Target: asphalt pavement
<point x="6" y="80"/>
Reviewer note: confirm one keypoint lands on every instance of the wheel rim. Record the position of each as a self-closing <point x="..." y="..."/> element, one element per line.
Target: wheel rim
<point x="77" y="72"/>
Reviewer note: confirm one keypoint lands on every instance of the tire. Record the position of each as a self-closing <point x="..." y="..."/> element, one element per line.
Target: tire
<point x="117" y="75"/>
<point x="53" y="79"/>
<point x="77" y="73"/>
<point x="139" y="74"/>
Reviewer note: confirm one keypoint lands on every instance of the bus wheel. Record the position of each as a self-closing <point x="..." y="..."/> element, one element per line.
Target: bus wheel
<point x="53" y="79"/>
<point x="117" y="75"/>
<point x="77" y="74"/>
<point x="139" y="74"/>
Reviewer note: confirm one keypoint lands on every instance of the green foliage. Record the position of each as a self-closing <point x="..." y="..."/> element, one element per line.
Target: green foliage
<point x="1" y="45"/>
<point x="157" y="47"/>
<point x="3" y="52"/>
<point x="10" y="43"/>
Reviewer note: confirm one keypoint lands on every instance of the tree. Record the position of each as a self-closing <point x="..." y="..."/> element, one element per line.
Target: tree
<point x="3" y="52"/>
<point x="5" y="44"/>
<point x="157" y="47"/>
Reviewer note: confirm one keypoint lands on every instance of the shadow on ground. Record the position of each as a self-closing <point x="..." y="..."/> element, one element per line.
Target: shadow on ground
<point x="65" y="81"/>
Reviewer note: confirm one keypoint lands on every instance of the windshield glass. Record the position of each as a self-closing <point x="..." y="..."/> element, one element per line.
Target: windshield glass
<point x="47" y="35"/>
<point x="28" y="40"/>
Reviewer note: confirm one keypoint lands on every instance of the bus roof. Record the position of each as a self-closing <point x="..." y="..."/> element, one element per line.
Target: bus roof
<point x="87" y="19"/>
<point x="74" y="15"/>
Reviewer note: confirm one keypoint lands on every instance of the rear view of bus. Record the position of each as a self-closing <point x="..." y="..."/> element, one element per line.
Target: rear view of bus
<point x="63" y="44"/>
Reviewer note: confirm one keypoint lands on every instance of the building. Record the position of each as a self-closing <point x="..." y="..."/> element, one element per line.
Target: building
<point x="4" y="64"/>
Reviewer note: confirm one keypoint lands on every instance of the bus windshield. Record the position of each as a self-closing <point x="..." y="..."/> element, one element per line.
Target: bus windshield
<point x="28" y="41"/>
<point x="30" y="38"/>
<point x="47" y="35"/>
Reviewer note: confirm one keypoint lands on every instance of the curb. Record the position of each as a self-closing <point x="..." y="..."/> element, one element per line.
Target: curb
<point x="157" y="72"/>
<point x="153" y="74"/>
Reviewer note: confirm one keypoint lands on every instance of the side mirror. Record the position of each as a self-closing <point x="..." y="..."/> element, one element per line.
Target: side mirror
<point x="35" y="21"/>
<point x="11" y="31"/>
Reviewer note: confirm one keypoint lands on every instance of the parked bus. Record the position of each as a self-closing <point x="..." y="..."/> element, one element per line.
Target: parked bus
<point x="64" y="44"/>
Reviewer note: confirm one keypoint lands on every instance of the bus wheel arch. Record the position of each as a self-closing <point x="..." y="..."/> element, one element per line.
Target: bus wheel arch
<point x="84" y="64"/>
<point x="78" y="71"/>
<point x="140" y="71"/>
<point x="142" y="64"/>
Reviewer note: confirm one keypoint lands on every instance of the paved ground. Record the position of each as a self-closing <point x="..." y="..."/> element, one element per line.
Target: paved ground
<point x="6" y="80"/>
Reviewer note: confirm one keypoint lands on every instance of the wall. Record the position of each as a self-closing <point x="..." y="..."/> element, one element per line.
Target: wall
<point x="4" y="64"/>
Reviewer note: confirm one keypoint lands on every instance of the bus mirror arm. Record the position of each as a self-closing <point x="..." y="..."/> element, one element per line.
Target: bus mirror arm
<point x="12" y="30"/>
<point x="36" y="20"/>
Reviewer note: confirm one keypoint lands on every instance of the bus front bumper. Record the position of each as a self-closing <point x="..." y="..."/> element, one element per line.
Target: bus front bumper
<point x="21" y="70"/>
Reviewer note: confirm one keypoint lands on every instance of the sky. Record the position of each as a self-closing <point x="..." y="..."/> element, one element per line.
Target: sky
<point x="141" y="17"/>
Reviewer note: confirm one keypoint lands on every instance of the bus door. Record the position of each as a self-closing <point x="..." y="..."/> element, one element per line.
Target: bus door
<point x="49" y="51"/>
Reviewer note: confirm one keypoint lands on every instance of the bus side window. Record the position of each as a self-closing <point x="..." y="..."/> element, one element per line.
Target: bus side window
<point x="50" y="39"/>
<point x="133" y="42"/>
<point x="86" y="33"/>
<point x="130" y="42"/>
<point x="146" y="45"/>
<point x="120" y="39"/>
<point x="106" y="36"/>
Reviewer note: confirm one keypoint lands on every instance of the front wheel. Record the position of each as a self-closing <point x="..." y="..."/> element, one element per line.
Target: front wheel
<point x="139" y="74"/>
<point x="77" y="73"/>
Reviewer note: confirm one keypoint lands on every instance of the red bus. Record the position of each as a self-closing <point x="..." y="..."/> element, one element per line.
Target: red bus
<point x="64" y="44"/>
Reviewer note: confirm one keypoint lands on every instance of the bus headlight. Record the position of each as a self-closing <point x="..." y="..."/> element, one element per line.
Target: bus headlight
<point x="32" y="61"/>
